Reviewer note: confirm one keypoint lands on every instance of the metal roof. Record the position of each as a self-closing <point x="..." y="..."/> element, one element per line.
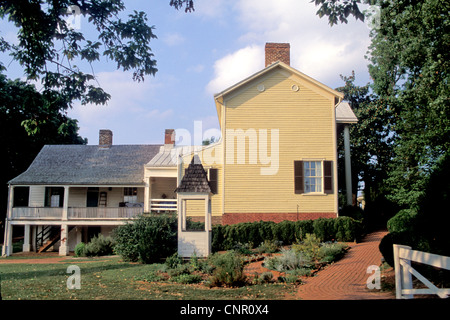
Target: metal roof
<point x="344" y="113"/>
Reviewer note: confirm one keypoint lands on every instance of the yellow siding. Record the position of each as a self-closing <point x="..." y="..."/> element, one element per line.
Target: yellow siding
<point x="305" y="122"/>
<point x="195" y="208"/>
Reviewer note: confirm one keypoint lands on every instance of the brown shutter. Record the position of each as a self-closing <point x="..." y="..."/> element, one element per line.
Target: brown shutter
<point x="328" y="177"/>
<point x="213" y="180"/>
<point x="298" y="177"/>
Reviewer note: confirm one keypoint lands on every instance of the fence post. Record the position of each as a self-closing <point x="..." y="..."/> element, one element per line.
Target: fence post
<point x="403" y="278"/>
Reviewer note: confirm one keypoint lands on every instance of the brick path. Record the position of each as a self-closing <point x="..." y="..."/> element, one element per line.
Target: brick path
<point x="346" y="279"/>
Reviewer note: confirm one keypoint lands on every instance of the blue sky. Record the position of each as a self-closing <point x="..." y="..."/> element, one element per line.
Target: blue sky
<point x="206" y="51"/>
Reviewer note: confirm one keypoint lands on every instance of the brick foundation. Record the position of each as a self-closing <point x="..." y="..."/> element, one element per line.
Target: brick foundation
<point x="214" y="219"/>
<point x="232" y="218"/>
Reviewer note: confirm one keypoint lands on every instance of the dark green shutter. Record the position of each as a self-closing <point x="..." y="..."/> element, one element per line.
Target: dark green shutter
<point x="328" y="177"/>
<point x="213" y="173"/>
<point x="298" y="177"/>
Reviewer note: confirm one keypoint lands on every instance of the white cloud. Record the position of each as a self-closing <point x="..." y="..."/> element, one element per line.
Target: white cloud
<point x="210" y="8"/>
<point x="235" y="67"/>
<point x="173" y="39"/>
<point x="318" y="50"/>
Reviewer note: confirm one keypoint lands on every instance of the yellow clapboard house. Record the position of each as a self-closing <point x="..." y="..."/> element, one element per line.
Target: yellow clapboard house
<point x="277" y="156"/>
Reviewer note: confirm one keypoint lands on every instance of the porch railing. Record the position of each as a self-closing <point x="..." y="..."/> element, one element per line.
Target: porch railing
<point x="104" y="213"/>
<point x="76" y="213"/>
<point x="37" y="212"/>
<point x="163" y="205"/>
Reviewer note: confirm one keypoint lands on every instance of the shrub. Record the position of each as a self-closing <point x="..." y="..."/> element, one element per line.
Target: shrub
<point x="342" y="228"/>
<point x="99" y="246"/>
<point x="330" y="252"/>
<point x="228" y="269"/>
<point x="288" y="260"/>
<point x="173" y="261"/>
<point x="147" y="239"/>
<point x="309" y="247"/>
<point x="80" y="249"/>
<point x="402" y="221"/>
<point x="324" y="229"/>
<point x="243" y="248"/>
<point x="347" y="229"/>
<point x="265" y="277"/>
<point x="269" y="246"/>
<point x="302" y="227"/>
<point x="187" y="278"/>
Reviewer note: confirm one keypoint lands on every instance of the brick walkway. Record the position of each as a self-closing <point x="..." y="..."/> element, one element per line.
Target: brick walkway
<point x="346" y="279"/>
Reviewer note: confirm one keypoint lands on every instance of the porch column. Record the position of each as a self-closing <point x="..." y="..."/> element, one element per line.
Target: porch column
<point x="66" y="203"/>
<point x="7" y="241"/>
<point x="348" y="167"/>
<point x="26" y="239"/>
<point x="147" y="194"/>
<point x="64" y="246"/>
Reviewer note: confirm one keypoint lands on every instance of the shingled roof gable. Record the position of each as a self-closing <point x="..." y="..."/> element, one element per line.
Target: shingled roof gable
<point x="195" y="178"/>
<point x="88" y="165"/>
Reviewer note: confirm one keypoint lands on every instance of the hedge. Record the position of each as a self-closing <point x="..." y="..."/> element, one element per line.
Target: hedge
<point x="225" y="237"/>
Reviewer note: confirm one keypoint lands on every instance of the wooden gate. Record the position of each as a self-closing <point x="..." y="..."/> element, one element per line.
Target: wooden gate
<point x="403" y="255"/>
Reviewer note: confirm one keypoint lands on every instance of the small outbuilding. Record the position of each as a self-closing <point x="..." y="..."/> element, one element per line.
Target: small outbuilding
<point x="193" y="196"/>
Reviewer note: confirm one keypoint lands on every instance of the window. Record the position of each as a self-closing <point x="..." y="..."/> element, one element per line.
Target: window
<point x="313" y="177"/>
<point x="130" y="195"/>
<point x="54" y="197"/>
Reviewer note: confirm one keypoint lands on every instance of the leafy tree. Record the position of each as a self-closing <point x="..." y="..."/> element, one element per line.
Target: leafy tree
<point x="410" y="69"/>
<point x="338" y="11"/>
<point x="48" y="47"/>
<point x="21" y="103"/>
<point x="371" y="145"/>
<point x="409" y="65"/>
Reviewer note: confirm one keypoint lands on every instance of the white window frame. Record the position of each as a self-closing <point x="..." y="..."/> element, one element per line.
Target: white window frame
<point x="307" y="166"/>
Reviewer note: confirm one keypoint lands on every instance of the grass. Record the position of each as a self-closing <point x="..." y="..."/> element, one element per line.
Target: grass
<point x="110" y="278"/>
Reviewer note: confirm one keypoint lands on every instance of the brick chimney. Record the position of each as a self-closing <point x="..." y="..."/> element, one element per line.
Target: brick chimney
<point x="169" y="138"/>
<point x="105" y="138"/>
<point x="278" y="52"/>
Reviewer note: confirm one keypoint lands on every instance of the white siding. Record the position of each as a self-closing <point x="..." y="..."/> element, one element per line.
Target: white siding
<point x="37" y="196"/>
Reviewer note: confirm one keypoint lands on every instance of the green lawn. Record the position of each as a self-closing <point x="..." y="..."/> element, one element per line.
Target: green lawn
<point x="109" y="278"/>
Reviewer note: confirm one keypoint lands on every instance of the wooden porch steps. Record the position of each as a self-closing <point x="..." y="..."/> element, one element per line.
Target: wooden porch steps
<point x="52" y="239"/>
<point x="50" y="242"/>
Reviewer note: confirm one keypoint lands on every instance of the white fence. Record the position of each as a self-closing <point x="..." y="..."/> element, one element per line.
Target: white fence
<point x="403" y="255"/>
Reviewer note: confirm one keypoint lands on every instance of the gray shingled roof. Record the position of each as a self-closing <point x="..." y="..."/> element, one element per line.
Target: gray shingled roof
<point x="195" y="178"/>
<point x="88" y="165"/>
